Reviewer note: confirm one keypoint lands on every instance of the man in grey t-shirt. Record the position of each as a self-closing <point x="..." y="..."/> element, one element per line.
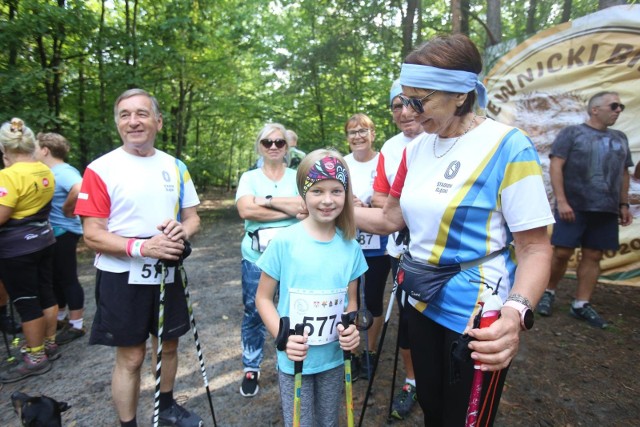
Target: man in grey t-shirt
<point x="590" y="180"/>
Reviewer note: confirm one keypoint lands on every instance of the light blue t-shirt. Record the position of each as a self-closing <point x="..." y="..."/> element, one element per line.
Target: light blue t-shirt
<point x="298" y="261"/>
<point x="256" y="183"/>
<point x="66" y="177"/>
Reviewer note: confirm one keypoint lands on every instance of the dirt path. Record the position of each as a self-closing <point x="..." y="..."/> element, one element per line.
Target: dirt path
<point x="567" y="374"/>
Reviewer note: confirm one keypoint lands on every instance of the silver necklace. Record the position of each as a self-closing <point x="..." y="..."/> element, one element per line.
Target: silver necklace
<point x="437" y="140"/>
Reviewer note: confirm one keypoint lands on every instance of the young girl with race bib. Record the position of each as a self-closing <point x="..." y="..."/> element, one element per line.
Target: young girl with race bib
<point x="315" y="263"/>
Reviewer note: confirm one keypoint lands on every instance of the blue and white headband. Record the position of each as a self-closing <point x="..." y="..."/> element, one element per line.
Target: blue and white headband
<point x="456" y="81"/>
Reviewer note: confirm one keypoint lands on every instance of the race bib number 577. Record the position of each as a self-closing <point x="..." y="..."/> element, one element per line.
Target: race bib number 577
<point x="319" y="311"/>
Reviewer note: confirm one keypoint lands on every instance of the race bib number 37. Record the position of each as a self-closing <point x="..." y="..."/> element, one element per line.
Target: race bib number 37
<point x="148" y="271"/>
<point x="319" y="311"/>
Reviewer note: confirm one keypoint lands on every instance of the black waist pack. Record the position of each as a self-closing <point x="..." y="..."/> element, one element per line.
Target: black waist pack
<point x="423" y="281"/>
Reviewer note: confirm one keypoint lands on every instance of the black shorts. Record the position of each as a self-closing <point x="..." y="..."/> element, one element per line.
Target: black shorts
<point x="126" y="314"/>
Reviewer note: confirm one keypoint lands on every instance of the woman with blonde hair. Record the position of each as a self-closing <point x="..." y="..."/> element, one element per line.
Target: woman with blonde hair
<point x="268" y="201"/>
<point x="26" y="247"/>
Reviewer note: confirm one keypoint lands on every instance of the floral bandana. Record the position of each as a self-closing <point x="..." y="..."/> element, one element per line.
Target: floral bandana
<point x="327" y="167"/>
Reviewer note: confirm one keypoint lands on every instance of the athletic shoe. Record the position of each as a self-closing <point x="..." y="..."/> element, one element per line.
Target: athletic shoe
<point x="68" y="334"/>
<point x="356" y="367"/>
<point x="26" y="368"/>
<point x="589" y="315"/>
<point x="403" y="402"/>
<point x="52" y="351"/>
<point x="9" y="325"/>
<point x="250" y="387"/>
<point x="177" y="416"/>
<point x="61" y="324"/>
<point x="367" y="363"/>
<point x="544" y="307"/>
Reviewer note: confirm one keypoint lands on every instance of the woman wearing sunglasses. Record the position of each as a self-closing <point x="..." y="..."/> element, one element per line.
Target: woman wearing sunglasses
<point x="267" y="199"/>
<point x="362" y="163"/>
<point x="470" y="191"/>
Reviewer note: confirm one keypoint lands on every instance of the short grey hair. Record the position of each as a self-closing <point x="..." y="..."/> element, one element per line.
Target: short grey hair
<point x="595" y="98"/>
<point x="135" y="92"/>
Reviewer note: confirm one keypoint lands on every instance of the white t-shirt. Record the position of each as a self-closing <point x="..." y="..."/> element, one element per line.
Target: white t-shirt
<point x="388" y="162"/>
<point x="136" y="194"/>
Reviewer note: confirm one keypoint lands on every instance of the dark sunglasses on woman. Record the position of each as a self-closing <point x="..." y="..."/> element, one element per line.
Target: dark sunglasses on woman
<point x="267" y="143"/>
<point x="415" y="103"/>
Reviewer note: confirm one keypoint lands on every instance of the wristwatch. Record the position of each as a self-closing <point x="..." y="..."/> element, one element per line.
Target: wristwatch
<point x="523" y="306"/>
<point x="269" y="197"/>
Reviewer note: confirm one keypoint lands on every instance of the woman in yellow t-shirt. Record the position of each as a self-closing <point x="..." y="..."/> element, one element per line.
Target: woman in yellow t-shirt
<point x="26" y="239"/>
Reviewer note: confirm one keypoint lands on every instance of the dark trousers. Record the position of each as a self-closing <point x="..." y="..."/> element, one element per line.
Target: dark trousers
<point x="444" y="402"/>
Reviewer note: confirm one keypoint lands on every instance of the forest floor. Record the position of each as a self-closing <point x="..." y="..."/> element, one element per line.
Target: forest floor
<point x="566" y="373"/>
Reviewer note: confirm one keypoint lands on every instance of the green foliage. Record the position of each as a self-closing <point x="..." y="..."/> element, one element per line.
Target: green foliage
<point x="220" y="69"/>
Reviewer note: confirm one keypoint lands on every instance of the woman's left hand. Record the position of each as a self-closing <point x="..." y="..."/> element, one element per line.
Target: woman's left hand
<point x="495" y="346"/>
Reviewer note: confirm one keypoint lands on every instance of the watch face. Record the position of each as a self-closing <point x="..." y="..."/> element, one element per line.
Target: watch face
<point x="528" y="319"/>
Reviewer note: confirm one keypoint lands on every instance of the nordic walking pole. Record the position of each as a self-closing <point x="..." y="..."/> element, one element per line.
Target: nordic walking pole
<point x="297" y="382"/>
<point x="490" y="304"/>
<point x="366" y="336"/>
<point x="348" y="382"/>
<point x="392" y="297"/>
<point x="395" y="360"/>
<point x="156" y="400"/>
<point x="363" y="321"/>
<point x="192" y="319"/>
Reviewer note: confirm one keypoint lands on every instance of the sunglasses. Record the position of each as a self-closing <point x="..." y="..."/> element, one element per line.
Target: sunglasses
<point x="614" y="106"/>
<point x="415" y="103"/>
<point x="267" y="143"/>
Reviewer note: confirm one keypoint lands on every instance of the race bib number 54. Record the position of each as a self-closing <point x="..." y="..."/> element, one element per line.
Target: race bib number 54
<point x="148" y="271"/>
<point x="319" y="311"/>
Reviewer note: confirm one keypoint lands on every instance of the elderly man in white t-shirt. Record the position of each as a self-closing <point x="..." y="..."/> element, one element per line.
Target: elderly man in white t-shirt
<point x="388" y="162"/>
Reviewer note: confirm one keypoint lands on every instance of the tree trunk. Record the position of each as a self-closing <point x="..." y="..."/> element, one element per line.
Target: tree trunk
<point x="52" y="70"/>
<point x="408" y="19"/>
<point x="494" y="23"/>
<point x="83" y="141"/>
<point x="603" y="4"/>
<point x="456" y="17"/>
<point x="531" y="17"/>
<point x="15" y="100"/>
<point x="566" y="10"/>
<point x="464" y="16"/>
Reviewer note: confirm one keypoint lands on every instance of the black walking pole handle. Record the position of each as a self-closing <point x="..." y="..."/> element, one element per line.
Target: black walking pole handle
<point x="299" y="330"/>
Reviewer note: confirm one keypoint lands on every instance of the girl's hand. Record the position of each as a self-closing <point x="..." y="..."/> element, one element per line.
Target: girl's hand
<point x="349" y="338"/>
<point x="297" y="347"/>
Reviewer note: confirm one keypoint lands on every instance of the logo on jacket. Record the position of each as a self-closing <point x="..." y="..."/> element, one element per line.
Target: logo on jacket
<point x="3" y="192"/>
<point x="45" y="182"/>
<point x="452" y="169"/>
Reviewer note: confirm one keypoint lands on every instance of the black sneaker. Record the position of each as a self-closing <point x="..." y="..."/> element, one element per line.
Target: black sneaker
<point x="368" y="362"/>
<point x="177" y="416"/>
<point x="544" y="307"/>
<point x="403" y="402"/>
<point x="589" y="315"/>
<point x="68" y="334"/>
<point x="250" y="387"/>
